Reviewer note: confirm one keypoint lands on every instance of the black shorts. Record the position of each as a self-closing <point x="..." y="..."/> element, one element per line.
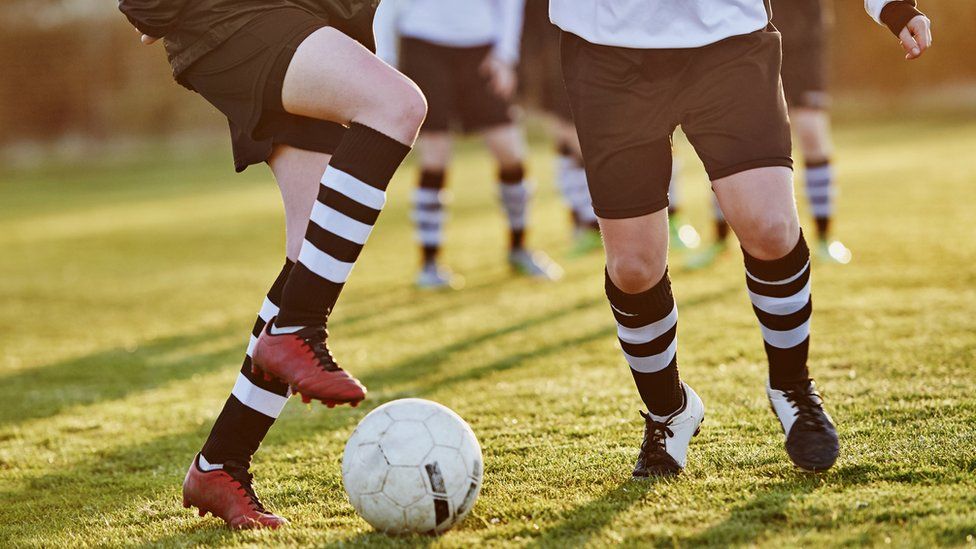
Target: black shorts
<point x="627" y="102"/>
<point x="243" y="77"/>
<point x="458" y="94"/>
<point x="803" y="24"/>
<point x="540" y="69"/>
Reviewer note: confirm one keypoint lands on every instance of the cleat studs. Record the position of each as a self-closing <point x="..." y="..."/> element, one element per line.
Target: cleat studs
<point x="186" y="504"/>
<point x="306" y="399"/>
<point x="202" y="513"/>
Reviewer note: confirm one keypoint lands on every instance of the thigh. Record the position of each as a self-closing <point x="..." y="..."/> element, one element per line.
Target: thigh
<point x="298" y="173"/>
<point x="333" y="77"/>
<point x="429" y="67"/>
<point x="624" y="122"/>
<point x="735" y="113"/>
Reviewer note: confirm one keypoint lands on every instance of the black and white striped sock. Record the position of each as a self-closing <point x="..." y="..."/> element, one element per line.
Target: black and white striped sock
<point x="514" y="194"/>
<point x="351" y="196"/>
<point x="780" y="293"/>
<point x="647" y="327"/>
<point x="428" y="213"/>
<point x="819" y="178"/>
<point x="254" y="403"/>
<point x="571" y="179"/>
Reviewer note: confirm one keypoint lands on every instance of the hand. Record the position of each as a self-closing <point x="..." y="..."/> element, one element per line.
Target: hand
<point x="148" y="40"/>
<point x="501" y="75"/>
<point x="916" y="37"/>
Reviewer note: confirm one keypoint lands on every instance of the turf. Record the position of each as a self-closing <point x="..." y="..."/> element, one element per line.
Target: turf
<point x="129" y="286"/>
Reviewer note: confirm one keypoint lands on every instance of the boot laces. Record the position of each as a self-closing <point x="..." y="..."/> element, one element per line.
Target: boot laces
<point x="245" y="480"/>
<point x="656" y="434"/>
<point x="315" y="340"/>
<point x="808" y="406"/>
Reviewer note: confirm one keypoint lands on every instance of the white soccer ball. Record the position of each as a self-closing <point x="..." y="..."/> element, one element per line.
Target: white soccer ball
<point x="412" y="466"/>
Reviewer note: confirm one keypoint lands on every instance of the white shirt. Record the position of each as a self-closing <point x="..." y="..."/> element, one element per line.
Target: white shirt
<point x="660" y="24"/>
<point x="453" y="23"/>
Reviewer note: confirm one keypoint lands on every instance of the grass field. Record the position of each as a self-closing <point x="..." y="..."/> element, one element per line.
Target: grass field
<point x="129" y="286"/>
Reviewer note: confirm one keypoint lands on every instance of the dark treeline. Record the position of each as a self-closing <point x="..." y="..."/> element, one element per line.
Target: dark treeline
<point x="75" y="67"/>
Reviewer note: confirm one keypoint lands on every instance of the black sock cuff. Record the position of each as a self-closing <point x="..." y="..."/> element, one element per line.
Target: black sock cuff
<point x="274" y="294"/>
<point x="782" y="268"/>
<point x="369" y="155"/>
<point x="649" y="306"/>
<point x="817" y="164"/>
<point x="512" y="175"/>
<point x="432" y="179"/>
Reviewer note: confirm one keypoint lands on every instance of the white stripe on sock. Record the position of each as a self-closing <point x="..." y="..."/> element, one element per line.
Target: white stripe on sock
<point x="251" y="344"/>
<point x="780" y="282"/>
<point x="786" y="339"/>
<point x="324" y="264"/>
<point x="781" y="305"/>
<point x="268" y="310"/>
<point x="427" y="197"/>
<point x="653" y="363"/>
<point x="338" y="223"/>
<point x="257" y="398"/>
<point x="650" y="332"/>
<point x="429" y="237"/>
<point x="353" y="188"/>
<point x="428" y="216"/>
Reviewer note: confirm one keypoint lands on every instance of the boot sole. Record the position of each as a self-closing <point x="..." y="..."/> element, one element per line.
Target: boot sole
<point x="329" y="402"/>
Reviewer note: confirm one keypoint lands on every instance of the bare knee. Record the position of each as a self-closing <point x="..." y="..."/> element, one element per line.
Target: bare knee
<point x="771" y="235"/>
<point x="636" y="273"/>
<point x="398" y="110"/>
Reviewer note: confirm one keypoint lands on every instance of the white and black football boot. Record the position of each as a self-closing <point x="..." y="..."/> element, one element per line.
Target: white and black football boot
<point x="664" y="451"/>
<point x="811" y="438"/>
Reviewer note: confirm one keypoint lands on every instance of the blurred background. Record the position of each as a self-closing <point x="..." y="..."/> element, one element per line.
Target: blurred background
<point x="75" y="76"/>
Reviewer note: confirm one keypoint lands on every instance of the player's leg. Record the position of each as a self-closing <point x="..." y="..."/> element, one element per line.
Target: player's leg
<point x="625" y="121"/>
<point x="683" y="234"/>
<point x="760" y="207"/>
<point x="812" y="128"/>
<point x="255" y="402"/>
<point x="571" y="180"/>
<point x="429" y="206"/>
<point x="430" y="67"/>
<point x="332" y="77"/>
<point x="507" y="145"/>
<point x="740" y="129"/>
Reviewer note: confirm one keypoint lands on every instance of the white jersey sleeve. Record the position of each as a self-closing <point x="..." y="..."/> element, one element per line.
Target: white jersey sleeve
<point x="386" y="32"/>
<point x="507" y="44"/>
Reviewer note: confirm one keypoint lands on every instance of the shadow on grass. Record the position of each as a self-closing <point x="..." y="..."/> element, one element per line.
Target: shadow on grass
<point x="746" y="524"/>
<point x="134" y="470"/>
<point x="45" y="391"/>
<point x="579" y="525"/>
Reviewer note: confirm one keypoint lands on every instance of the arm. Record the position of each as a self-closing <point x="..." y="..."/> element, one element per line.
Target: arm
<point x="510" y="15"/>
<point x="386" y="32"/>
<point x="155" y="18"/>
<point x="904" y="20"/>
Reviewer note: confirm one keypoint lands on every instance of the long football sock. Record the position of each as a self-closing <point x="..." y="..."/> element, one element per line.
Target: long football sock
<point x="515" y="201"/>
<point x="819" y="178"/>
<point x="428" y="213"/>
<point x="351" y="196"/>
<point x="254" y="404"/>
<point x="647" y="327"/>
<point x="780" y="294"/>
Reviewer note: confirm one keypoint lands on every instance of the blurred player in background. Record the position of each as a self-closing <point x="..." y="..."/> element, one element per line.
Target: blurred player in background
<point x="463" y="56"/>
<point x="540" y="66"/>
<point x="805" y="26"/>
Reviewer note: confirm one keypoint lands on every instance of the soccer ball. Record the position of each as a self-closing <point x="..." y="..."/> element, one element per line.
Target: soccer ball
<point x="412" y="466"/>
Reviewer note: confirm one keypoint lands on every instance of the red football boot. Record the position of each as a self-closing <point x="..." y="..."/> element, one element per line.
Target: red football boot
<point x="228" y="494"/>
<point x="303" y="361"/>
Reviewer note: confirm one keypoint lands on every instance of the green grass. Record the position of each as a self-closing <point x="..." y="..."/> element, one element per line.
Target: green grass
<point x="129" y="286"/>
